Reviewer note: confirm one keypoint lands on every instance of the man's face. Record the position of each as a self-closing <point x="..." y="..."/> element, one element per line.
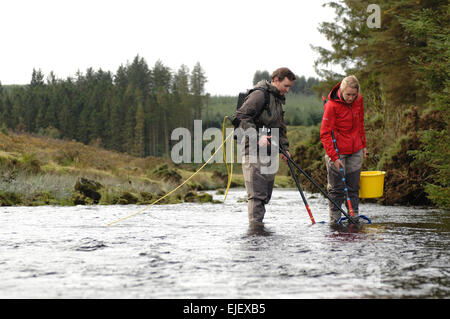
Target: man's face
<point x="349" y="94"/>
<point x="282" y="86"/>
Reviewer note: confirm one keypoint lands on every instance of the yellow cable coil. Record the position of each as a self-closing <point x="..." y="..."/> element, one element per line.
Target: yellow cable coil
<point x="229" y="171"/>
<point x="175" y="189"/>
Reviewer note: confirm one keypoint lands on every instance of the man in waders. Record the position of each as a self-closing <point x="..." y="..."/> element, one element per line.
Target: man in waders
<point x="261" y="110"/>
<point x="344" y="116"/>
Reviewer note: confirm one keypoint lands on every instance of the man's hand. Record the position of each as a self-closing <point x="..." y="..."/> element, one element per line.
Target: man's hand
<point x="264" y="140"/>
<point x="284" y="157"/>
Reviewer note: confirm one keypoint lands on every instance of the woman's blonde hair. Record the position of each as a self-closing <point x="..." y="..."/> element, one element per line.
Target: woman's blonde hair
<point x="350" y="81"/>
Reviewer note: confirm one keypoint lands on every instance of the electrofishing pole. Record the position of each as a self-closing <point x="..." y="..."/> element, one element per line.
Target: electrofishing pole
<point x="350" y="218"/>
<point x="349" y="203"/>
<point x="295" y="179"/>
<point x="301" y="191"/>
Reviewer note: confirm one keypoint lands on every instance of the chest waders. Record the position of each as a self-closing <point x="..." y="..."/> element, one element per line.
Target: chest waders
<point x="349" y="203"/>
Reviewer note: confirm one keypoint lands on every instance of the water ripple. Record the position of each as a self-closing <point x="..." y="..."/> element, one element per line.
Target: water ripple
<point x="90" y="244"/>
<point x="209" y="251"/>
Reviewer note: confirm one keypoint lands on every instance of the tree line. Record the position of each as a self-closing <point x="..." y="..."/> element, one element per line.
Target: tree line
<point x="132" y="111"/>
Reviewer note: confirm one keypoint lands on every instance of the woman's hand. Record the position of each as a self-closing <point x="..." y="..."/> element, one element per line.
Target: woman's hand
<point x="338" y="163"/>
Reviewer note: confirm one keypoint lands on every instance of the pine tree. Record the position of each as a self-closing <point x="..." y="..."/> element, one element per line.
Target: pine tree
<point x="403" y="63"/>
<point x="429" y="29"/>
<point x="261" y="75"/>
<point x="129" y="119"/>
<point x="198" y="80"/>
<point x="162" y="84"/>
<point x="116" y="123"/>
<point x="133" y="110"/>
<point x="181" y="99"/>
<point x="139" y="147"/>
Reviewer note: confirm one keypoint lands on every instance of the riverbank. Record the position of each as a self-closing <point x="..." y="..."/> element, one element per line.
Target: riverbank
<point x="37" y="170"/>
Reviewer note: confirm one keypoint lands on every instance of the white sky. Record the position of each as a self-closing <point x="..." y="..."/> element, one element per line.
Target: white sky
<point x="230" y="38"/>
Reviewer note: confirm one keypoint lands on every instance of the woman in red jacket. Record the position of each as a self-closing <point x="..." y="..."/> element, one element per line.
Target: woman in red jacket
<point x="344" y="116"/>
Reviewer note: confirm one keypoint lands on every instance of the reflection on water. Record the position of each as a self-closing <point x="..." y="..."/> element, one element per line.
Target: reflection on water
<point x="210" y="251"/>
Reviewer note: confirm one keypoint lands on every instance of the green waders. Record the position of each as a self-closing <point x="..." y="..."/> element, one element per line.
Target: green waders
<point x="259" y="188"/>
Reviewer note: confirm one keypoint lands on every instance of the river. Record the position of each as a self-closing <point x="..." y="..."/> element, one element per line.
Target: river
<point x="208" y="251"/>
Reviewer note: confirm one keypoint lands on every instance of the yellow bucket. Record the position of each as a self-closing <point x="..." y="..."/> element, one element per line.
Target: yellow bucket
<point x="371" y="184"/>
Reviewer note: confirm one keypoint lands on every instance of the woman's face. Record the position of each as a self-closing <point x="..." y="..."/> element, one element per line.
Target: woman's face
<point x="349" y="94"/>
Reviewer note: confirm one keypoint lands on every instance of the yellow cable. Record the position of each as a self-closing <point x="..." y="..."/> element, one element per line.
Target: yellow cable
<point x="225" y="149"/>
<point x="172" y="191"/>
<point x="229" y="171"/>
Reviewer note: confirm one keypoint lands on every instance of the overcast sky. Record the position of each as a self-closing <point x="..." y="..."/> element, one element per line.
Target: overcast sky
<point x="231" y="39"/>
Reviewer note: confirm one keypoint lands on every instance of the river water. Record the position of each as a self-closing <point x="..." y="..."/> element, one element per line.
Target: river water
<point x="209" y="251"/>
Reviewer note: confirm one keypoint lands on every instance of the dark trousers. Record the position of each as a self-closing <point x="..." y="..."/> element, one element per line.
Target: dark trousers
<point x="335" y="187"/>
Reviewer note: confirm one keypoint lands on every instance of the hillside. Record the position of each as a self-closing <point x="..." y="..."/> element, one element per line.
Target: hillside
<point x="40" y="170"/>
<point x="36" y="170"/>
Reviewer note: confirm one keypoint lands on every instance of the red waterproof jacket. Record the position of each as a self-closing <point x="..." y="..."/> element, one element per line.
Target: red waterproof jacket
<point x="347" y="122"/>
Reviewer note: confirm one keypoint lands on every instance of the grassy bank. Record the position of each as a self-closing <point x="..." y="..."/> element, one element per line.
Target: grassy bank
<point x="38" y="170"/>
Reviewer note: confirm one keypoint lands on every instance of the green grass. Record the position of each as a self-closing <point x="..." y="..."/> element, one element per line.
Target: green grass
<point x="299" y="109"/>
<point x="39" y="170"/>
<point x="36" y="170"/>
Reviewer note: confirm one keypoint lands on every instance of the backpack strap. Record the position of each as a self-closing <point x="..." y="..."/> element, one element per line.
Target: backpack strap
<point x="241" y="99"/>
<point x="266" y="100"/>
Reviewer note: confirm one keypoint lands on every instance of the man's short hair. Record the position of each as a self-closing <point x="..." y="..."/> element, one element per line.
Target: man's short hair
<point x="282" y="73"/>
